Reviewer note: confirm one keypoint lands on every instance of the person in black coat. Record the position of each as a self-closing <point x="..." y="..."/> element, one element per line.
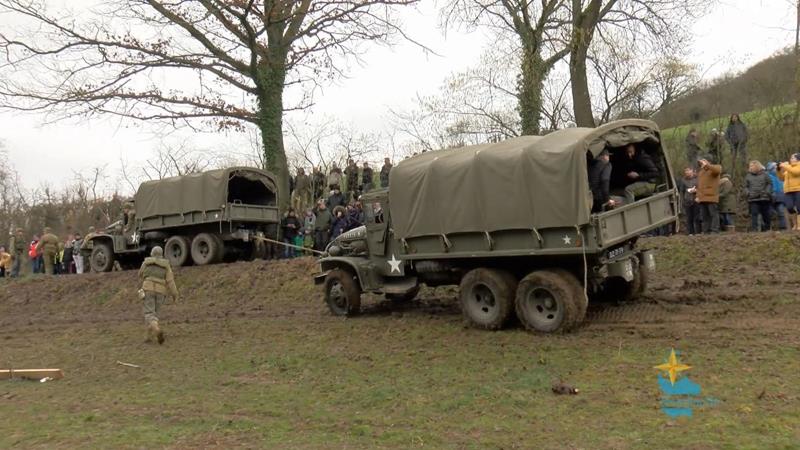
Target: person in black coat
<point x="600" y="181"/>
<point x="635" y="172"/>
<point x="291" y="226"/>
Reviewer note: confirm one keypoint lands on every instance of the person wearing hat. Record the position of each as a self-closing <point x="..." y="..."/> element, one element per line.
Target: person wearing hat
<point x="707" y="195"/>
<point x="599" y="182"/>
<point x="86" y="248"/>
<point x="128" y="218"/>
<point x="778" y="197"/>
<point x="290" y="226"/>
<point x="715" y="144"/>
<point x="157" y="282"/>
<point x="791" y="188"/>
<point x="77" y="257"/>
<point x="18" y="247"/>
<point x="48" y="248"/>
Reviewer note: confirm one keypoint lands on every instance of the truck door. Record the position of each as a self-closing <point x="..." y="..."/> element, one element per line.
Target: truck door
<point x="376" y="218"/>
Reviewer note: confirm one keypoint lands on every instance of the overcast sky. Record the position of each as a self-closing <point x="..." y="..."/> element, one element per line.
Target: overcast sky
<point x="735" y="35"/>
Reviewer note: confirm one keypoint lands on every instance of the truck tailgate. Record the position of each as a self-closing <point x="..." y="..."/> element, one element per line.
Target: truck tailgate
<point x="629" y="221"/>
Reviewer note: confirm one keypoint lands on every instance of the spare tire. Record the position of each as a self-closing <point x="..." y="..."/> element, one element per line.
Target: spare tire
<point x="177" y="250"/>
<point x="205" y="249"/>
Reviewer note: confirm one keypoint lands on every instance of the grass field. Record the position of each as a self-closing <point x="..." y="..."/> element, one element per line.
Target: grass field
<point x="254" y="360"/>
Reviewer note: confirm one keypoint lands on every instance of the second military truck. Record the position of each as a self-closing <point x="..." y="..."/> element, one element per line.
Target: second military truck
<point x="511" y="224"/>
<point x="200" y="218"/>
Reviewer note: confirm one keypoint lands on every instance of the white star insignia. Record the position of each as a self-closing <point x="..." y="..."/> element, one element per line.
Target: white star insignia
<point x="567" y="240"/>
<point x="135" y="238"/>
<point x="394" y="263"/>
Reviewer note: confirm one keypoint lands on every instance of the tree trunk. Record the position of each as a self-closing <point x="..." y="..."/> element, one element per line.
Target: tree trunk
<point x="531" y="84"/>
<point x="579" y="83"/>
<point x="270" y="123"/>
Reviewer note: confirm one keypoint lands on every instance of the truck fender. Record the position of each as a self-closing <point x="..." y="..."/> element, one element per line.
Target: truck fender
<point x="360" y="267"/>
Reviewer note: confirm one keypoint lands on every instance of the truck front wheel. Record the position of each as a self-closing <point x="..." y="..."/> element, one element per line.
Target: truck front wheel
<point x="177" y="250"/>
<point x="206" y="249"/>
<point x="487" y="297"/>
<point x="342" y="293"/>
<point x="549" y="301"/>
<point x="102" y="257"/>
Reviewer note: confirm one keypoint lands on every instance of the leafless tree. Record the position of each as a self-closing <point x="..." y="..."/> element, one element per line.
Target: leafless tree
<point x="536" y="28"/>
<point x="658" y="23"/>
<point x="223" y="63"/>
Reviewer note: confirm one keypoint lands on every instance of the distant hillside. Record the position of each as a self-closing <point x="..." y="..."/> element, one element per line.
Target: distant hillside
<point x="768" y="83"/>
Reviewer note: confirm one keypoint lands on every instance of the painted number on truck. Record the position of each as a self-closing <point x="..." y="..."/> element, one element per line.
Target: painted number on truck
<point x="616" y="252"/>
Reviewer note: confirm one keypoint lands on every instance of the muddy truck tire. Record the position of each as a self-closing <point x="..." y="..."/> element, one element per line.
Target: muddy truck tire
<point x="102" y="259"/>
<point x="487" y="297"/>
<point x="550" y="301"/>
<point x="177" y="250"/>
<point x="206" y="249"/>
<point x="342" y="293"/>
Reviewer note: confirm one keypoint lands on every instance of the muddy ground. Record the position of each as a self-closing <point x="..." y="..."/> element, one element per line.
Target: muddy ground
<point x="253" y="359"/>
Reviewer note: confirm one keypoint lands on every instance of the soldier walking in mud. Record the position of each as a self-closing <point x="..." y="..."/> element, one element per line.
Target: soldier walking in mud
<point x="48" y="247"/>
<point x="158" y="282"/>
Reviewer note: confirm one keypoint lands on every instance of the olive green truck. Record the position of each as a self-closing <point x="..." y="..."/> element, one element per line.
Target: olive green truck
<point x="200" y="218"/>
<point x="511" y="224"/>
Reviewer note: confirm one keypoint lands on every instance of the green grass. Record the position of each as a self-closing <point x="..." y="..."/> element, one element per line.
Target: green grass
<point x="386" y="382"/>
<point x="769" y="140"/>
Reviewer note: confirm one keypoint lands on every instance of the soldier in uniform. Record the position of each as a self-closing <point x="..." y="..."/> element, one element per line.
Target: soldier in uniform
<point x="301" y="196"/>
<point x="86" y="249"/>
<point x="48" y="247"/>
<point x="18" y="249"/>
<point x="128" y="218"/>
<point x="158" y="282"/>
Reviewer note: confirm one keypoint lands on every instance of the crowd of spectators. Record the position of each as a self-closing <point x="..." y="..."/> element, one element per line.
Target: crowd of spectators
<point x="710" y="198"/>
<point x="325" y="206"/>
<point x="46" y="254"/>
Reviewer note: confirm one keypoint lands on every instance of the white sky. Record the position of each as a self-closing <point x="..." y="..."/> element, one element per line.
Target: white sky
<point x="735" y="35"/>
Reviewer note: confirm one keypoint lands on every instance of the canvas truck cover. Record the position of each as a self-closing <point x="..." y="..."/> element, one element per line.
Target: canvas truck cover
<point x="202" y="191"/>
<point x="529" y="182"/>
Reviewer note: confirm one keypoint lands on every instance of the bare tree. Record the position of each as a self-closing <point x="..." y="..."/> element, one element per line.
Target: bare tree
<point x="536" y="27"/>
<point x="224" y="63"/>
<point x="660" y="22"/>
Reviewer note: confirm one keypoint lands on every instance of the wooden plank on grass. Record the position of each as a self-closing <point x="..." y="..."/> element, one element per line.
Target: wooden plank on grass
<point x="31" y="374"/>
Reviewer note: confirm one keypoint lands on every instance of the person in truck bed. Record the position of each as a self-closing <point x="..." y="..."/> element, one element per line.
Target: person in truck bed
<point x="634" y="172"/>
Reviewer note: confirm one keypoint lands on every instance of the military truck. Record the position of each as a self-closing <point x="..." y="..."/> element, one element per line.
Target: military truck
<point x="510" y="223"/>
<point x="200" y="218"/>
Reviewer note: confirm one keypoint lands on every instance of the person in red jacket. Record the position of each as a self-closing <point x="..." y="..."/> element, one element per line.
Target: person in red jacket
<point x="34" y="255"/>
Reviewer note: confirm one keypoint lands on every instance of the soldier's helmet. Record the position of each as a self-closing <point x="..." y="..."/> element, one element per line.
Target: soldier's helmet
<point x="20" y="230"/>
<point x="157" y="252"/>
<point x="91" y="229"/>
<point x="48" y="230"/>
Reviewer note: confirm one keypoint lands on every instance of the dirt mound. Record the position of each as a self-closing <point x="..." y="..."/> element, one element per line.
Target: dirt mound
<point x="218" y="291"/>
<point x="736" y="280"/>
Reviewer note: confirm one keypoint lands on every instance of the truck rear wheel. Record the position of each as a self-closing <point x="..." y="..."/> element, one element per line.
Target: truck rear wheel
<point x="221" y="252"/>
<point x="578" y="292"/>
<point x="487" y="297"/>
<point x="549" y="301"/>
<point x="205" y="249"/>
<point x="178" y="251"/>
<point x="102" y="257"/>
<point x="342" y="293"/>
